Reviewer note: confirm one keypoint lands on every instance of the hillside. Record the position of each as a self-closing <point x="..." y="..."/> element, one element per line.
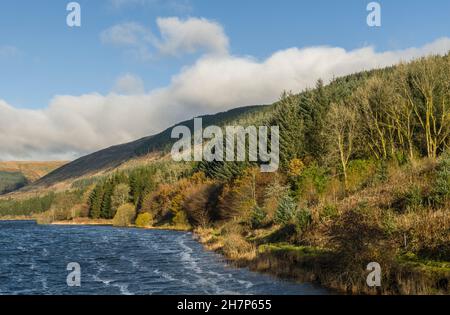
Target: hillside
<point x="364" y="177"/>
<point x="112" y="157"/>
<point x="15" y="174"/>
<point x="10" y="181"/>
<point x="30" y="169"/>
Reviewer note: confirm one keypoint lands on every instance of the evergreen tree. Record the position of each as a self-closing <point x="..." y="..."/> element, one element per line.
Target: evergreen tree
<point x="258" y="217"/>
<point x="134" y="187"/>
<point x="288" y="118"/>
<point x="106" y="211"/>
<point x="314" y="106"/>
<point x="95" y="202"/>
<point x="286" y="210"/>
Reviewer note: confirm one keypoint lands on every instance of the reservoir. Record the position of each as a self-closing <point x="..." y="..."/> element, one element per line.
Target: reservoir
<point x="115" y="261"/>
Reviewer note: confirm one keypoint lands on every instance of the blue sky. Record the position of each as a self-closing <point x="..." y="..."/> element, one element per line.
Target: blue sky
<point x="54" y="59"/>
<point x="135" y="67"/>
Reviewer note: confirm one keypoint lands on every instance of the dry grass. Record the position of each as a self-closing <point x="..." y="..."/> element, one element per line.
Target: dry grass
<point x="236" y="247"/>
<point x="228" y="241"/>
<point x="31" y="170"/>
<point x="426" y="232"/>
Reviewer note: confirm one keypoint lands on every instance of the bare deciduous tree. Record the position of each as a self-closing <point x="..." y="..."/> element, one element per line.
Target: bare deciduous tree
<point x="374" y="103"/>
<point x="342" y="130"/>
<point x="426" y="88"/>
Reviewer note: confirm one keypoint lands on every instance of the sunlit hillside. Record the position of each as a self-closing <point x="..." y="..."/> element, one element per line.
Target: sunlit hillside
<point x="364" y="177"/>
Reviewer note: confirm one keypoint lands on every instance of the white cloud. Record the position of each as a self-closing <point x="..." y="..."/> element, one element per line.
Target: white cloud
<point x="191" y="35"/>
<point x="132" y="35"/>
<point x="127" y="34"/>
<point x="178" y="37"/>
<point x="74" y="125"/>
<point x="129" y="84"/>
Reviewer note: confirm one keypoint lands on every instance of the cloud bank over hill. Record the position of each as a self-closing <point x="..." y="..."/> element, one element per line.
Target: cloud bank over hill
<point x="71" y="126"/>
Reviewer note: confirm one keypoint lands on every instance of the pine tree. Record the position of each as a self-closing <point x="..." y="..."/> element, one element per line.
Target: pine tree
<point x="314" y="106"/>
<point x="134" y="187"/>
<point x="258" y="217"/>
<point x="95" y="202"/>
<point x="289" y="120"/>
<point x="286" y="210"/>
<point x="106" y="212"/>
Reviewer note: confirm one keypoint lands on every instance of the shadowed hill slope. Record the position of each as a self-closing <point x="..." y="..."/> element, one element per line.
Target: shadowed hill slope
<point x="17" y="174"/>
<point x="32" y="170"/>
<point x="114" y="156"/>
<point x="10" y="181"/>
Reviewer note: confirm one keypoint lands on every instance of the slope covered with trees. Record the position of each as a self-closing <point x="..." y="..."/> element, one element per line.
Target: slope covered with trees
<point x="364" y="177"/>
<point x="15" y="175"/>
<point x="113" y="157"/>
<point x="10" y="181"/>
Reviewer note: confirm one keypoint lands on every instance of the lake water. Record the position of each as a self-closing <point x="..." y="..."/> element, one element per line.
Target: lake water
<point x="34" y="259"/>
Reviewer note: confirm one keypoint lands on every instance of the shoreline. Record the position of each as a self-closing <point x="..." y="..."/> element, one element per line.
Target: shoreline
<point x="197" y="235"/>
<point x="289" y="265"/>
<point x="18" y="219"/>
<point x="83" y="222"/>
<point x="109" y="223"/>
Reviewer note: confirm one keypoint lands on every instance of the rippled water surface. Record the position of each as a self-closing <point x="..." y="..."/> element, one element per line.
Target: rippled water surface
<point x="34" y="258"/>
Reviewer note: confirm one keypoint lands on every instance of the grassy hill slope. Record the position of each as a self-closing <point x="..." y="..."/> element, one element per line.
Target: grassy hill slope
<point x="15" y="175"/>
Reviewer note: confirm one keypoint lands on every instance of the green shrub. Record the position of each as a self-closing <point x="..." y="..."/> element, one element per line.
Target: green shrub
<point x="329" y="212"/>
<point x="258" y="216"/>
<point x="388" y="223"/>
<point x="286" y="210"/>
<point x="382" y="172"/>
<point x="303" y="219"/>
<point x="144" y="220"/>
<point x="441" y="193"/>
<point x="125" y="215"/>
<point x="359" y="173"/>
<point x="413" y="197"/>
<point x="180" y="219"/>
<point x="401" y="157"/>
<point x="311" y="183"/>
